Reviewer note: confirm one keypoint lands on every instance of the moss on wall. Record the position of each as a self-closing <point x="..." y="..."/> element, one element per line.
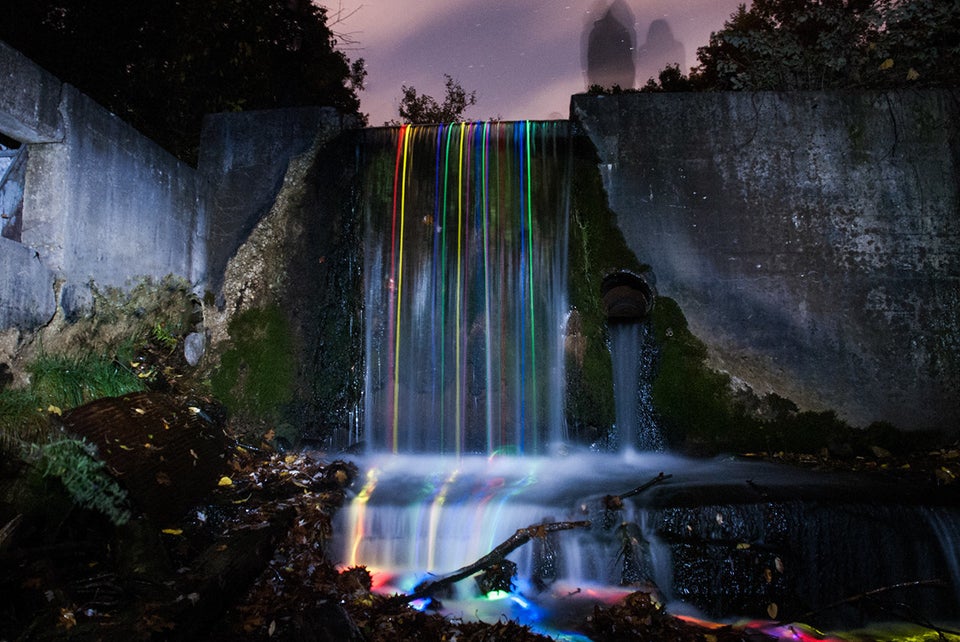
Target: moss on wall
<point x="597" y="248"/>
<point x="692" y="401"/>
<point x="257" y="371"/>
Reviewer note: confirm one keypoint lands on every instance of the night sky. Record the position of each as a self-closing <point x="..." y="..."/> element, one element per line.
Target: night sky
<point x="524" y="58"/>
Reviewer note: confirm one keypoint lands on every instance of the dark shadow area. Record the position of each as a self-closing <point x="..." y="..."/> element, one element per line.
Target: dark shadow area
<point x="659" y="51"/>
<point x="609" y="48"/>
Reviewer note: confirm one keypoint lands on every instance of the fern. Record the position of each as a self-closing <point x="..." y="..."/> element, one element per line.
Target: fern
<point x="74" y="462"/>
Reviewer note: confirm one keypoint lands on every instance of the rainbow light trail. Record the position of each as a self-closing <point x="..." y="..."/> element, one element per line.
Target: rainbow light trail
<point x="468" y="249"/>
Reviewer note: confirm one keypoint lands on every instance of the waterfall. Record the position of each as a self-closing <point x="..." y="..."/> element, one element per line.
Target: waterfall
<point x="632" y="353"/>
<point x="465" y="279"/>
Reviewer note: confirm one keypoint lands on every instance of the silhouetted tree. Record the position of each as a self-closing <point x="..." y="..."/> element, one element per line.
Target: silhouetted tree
<point x="163" y="64"/>
<point x="423" y="108"/>
<point x="802" y="44"/>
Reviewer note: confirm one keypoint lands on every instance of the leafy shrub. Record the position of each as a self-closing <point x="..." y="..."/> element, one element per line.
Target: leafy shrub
<point x="74" y="462"/>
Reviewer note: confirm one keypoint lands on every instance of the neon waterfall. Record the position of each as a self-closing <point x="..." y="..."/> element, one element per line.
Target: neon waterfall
<point x="465" y="268"/>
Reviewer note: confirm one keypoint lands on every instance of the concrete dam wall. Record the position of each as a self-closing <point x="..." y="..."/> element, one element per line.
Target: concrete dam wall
<point x="811" y="239"/>
<point x="98" y="202"/>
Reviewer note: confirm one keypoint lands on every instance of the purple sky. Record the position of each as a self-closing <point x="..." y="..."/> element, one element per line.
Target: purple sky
<point x="522" y="57"/>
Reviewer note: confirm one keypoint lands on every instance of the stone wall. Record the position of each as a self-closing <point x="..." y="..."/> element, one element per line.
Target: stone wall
<point x="811" y="239"/>
<point x="102" y="204"/>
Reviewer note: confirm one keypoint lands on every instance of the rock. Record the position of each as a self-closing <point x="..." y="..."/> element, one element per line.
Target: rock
<point x="194" y="345"/>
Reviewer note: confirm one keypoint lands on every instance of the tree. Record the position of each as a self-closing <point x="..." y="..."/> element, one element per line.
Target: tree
<point x="422" y="108"/>
<point x="823" y="44"/>
<point x="163" y="64"/>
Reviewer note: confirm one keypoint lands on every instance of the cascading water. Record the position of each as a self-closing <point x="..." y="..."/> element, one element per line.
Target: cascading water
<point x="465" y="274"/>
<point x="465" y="269"/>
<point x="632" y="353"/>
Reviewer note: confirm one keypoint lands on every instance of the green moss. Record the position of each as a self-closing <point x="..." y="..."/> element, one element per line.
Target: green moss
<point x="257" y="371"/>
<point x="693" y="402"/>
<point x="596" y="248"/>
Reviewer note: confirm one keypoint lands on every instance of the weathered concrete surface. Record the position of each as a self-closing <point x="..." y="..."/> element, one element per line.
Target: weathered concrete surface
<point x="108" y="205"/>
<point x="27" y="298"/>
<point x="101" y="203"/>
<point x="811" y="239"/>
<point x="29" y="100"/>
<point x="244" y="157"/>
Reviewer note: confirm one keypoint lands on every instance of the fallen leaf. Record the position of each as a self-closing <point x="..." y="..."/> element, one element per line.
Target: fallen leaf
<point x="140" y="411"/>
<point x="54" y="410"/>
<point x="172" y="531"/>
<point x="225" y="481"/>
<point x="886" y="64"/>
<point x="772" y="610"/>
<point x="67" y="619"/>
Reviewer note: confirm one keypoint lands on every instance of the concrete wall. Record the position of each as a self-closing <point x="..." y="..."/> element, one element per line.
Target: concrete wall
<point x="244" y="157"/>
<point x="101" y="202"/>
<point x="811" y="239"/>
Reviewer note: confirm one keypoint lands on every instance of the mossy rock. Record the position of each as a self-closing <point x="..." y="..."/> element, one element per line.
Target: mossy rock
<point x="257" y="373"/>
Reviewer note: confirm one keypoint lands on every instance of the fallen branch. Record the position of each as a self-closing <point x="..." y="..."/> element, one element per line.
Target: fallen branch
<point x="615" y="502"/>
<point x="494" y="557"/>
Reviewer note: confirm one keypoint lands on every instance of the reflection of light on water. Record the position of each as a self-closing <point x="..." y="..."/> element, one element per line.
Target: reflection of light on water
<point x="418" y="518"/>
<point x="358" y="507"/>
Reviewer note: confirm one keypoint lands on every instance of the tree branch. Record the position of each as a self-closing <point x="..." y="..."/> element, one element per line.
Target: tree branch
<point x="496" y="556"/>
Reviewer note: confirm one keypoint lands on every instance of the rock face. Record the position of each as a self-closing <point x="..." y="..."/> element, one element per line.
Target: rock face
<point x="300" y="262"/>
<point x="811" y="239"/>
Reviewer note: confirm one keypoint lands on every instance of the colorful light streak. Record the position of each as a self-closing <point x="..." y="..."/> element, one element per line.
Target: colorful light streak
<point x="468" y="294"/>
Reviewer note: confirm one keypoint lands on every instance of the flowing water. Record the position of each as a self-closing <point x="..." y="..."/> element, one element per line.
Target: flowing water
<point x="465" y="268"/>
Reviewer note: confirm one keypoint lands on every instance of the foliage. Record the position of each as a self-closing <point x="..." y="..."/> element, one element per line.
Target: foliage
<point x="162" y="65"/>
<point x="257" y="372"/>
<point x="163" y="337"/>
<point x="130" y="316"/>
<point x="74" y="462"/>
<point x="60" y="382"/>
<point x="424" y="109"/>
<point x="828" y="44"/>
<point x="111" y="351"/>
<point x="66" y="381"/>
<point x="23" y="417"/>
